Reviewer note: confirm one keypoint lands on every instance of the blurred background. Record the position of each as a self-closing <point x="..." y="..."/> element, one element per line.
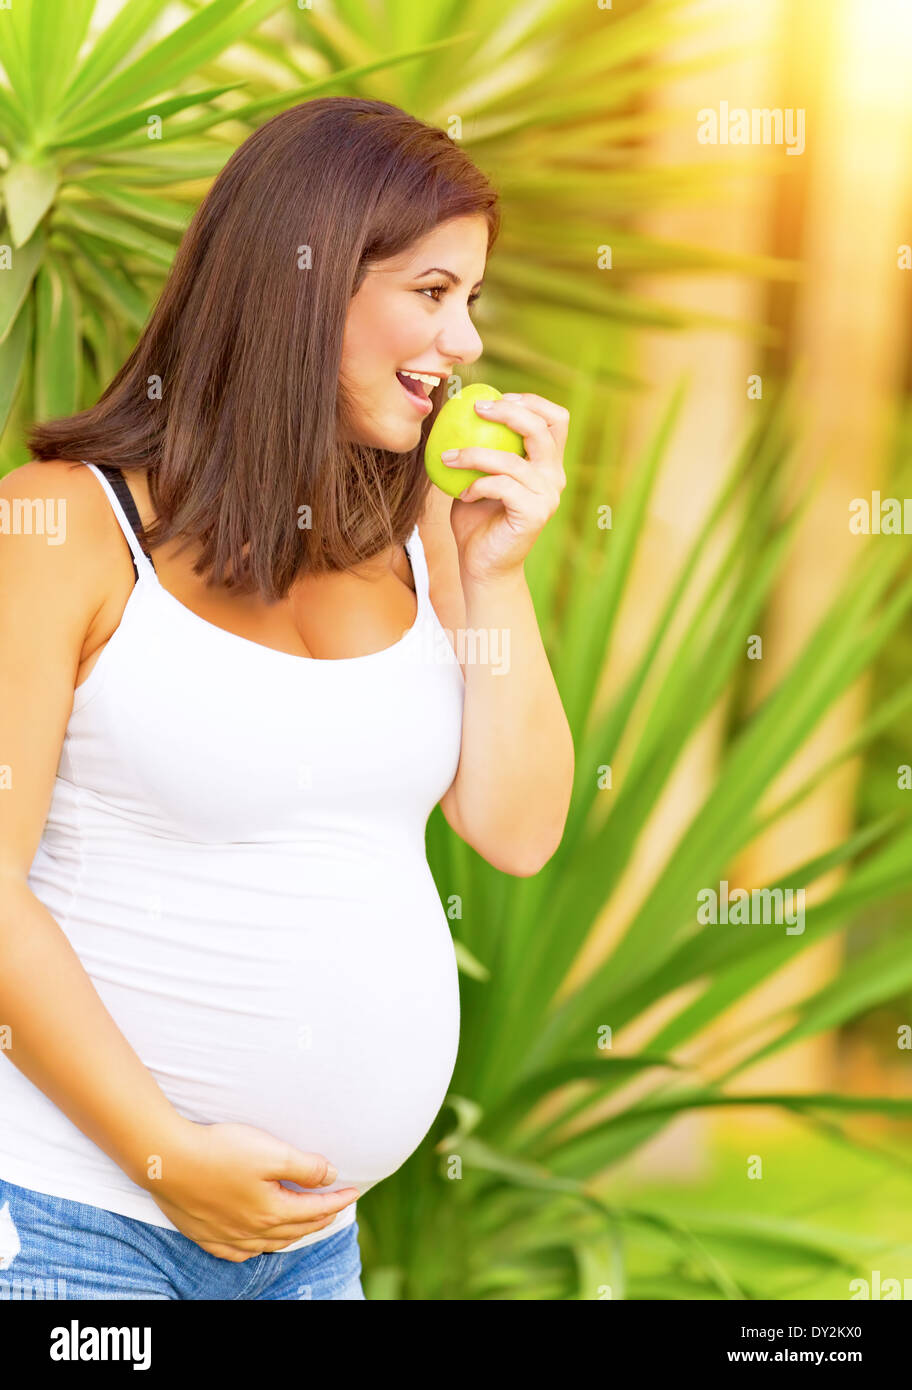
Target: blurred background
<point x="706" y="256"/>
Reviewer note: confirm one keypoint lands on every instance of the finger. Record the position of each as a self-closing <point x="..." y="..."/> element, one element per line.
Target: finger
<point x="499" y="461"/>
<point x="287" y="1231"/>
<point x="283" y="1228"/>
<point x="276" y="1239"/>
<point x="525" y="509"/>
<point x="226" y="1252"/>
<point x="291" y="1224"/>
<point x="556" y="416"/>
<point x="537" y="439"/>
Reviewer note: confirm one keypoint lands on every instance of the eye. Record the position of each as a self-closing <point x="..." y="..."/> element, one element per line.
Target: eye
<point x="442" y="289"/>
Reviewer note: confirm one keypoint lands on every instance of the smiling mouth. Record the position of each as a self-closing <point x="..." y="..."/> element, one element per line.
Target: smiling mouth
<point x="416" y="392"/>
<point x="414" y="387"/>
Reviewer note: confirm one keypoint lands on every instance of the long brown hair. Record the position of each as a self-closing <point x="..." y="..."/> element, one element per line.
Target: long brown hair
<point x="246" y="428"/>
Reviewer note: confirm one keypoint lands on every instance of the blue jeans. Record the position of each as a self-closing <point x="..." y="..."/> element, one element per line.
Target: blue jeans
<point x="71" y="1250"/>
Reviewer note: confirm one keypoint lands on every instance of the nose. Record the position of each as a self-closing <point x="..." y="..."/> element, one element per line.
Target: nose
<point x="459" y="341"/>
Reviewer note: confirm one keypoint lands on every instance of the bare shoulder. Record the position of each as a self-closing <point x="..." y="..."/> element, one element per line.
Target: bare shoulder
<point x="57" y="480"/>
<point x="55" y="534"/>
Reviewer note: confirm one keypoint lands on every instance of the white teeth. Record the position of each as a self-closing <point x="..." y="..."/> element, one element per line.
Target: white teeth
<point x="428" y="380"/>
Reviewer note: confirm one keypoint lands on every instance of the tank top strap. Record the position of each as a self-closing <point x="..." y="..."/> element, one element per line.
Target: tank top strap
<point x="418" y="561"/>
<point x="124" y="508"/>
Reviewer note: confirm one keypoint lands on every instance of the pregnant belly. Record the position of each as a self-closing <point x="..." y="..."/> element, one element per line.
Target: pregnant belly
<point x="328" y="1017"/>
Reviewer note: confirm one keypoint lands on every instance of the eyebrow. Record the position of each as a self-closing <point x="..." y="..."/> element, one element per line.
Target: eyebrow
<point x="441" y="270"/>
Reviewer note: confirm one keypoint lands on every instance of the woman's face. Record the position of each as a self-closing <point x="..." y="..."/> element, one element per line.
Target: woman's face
<point x="407" y="315"/>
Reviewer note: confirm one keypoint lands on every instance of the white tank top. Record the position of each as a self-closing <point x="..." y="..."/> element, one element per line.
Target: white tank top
<point x="235" y="850"/>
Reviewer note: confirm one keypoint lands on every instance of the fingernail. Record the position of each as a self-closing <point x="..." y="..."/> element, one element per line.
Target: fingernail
<point x="511" y="396"/>
<point x="449" y="454"/>
<point x="483" y="405"/>
<point x="331" y="1174"/>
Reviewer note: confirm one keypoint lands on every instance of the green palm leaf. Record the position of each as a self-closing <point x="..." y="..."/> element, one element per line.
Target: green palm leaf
<point x="552" y="100"/>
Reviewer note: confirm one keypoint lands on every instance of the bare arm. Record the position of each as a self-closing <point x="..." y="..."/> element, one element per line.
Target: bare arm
<point x="60" y="1035"/>
<point x="63" y="1039"/>
<point x="511" y="793"/>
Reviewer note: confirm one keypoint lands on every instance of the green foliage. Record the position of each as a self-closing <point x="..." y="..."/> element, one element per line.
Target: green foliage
<point x="544" y="1106"/>
<point x="104" y="165"/>
<point x="551" y="99"/>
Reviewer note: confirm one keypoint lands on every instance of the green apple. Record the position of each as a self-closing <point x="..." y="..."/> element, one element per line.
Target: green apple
<point x="459" y="426"/>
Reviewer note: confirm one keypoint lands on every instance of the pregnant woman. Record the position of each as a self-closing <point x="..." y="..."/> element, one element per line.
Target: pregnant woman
<point x="230" y="700"/>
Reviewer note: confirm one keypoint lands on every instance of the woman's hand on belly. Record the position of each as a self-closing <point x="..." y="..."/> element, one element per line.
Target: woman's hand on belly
<point x="221" y="1187"/>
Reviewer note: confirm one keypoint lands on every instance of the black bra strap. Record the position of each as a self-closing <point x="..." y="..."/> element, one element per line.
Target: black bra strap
<point x="124" y="496"/>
